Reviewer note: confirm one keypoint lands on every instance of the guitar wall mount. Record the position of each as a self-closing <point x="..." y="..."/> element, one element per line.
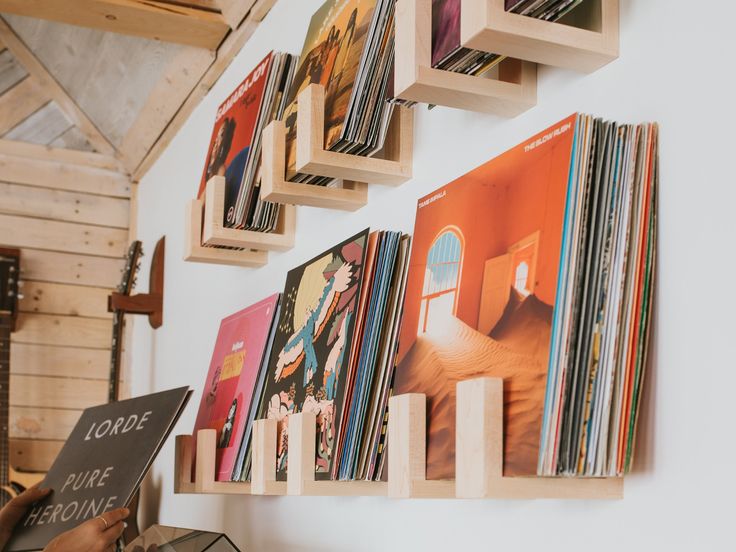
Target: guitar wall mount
<point x="151" y="303"/>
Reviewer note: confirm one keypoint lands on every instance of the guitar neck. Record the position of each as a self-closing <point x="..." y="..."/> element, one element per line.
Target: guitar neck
<point x="116" y="354"/>
<point x="4" y="400"/>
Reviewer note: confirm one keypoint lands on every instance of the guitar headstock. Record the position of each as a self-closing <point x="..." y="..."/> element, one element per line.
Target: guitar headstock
<point x="132" y="265"/>
<point x="9" y="274"/>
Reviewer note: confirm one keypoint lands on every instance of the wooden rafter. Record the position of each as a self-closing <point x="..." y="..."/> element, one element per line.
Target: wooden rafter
<point x="178" y="22"/>
<point x="21" y="101"/>
<point x="172" y="89"/>
<point x="234" y="11"/>
<point x="60" y="155"/>
<point x="225" y="54"/>
<point x="53" y="89"/>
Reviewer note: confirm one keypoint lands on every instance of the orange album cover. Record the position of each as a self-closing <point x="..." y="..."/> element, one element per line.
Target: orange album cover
<point x="481" y="293"/>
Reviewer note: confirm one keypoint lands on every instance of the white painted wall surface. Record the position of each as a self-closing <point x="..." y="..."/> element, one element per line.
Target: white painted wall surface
<point x="675" y="68"/>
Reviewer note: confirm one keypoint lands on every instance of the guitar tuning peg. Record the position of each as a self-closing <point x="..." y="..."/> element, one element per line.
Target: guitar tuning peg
<point x="21" y="296"/>
<point x="21" y="283"/>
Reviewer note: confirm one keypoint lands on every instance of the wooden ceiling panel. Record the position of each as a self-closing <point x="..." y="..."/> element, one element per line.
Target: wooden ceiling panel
<point x="80" y="89"/>
<point x="20" y="102"/>
<point x="42" y="127"/>
<point x="11" y="72"/>
<point x="152" y="19"/>
<point x="72" y="139"/>
<point x="109" y="76"/>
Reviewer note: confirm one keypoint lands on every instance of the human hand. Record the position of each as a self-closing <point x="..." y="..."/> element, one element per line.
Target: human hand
<point x="14" y="511"/>
<point x="94" y="535"/>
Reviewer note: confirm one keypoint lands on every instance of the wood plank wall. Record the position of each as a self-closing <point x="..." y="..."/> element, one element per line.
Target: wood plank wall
<point x="71" y="222"/>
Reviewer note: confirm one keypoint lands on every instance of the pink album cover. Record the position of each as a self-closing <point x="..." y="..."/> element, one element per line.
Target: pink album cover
<point x="228" y="389"/>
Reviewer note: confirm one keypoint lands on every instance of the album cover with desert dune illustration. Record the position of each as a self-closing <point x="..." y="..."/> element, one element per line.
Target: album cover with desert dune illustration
<point x="481" y="292"/>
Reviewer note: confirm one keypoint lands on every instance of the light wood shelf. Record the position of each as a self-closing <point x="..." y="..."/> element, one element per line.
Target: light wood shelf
<point x="215" y="233"/>
<point x="585" y="40"/>
<point x="391" y="166"/>
<point x="195" y="252"/>
<point x="512" y="92"/>
<point x="478" y="453"/>
<point x="204" y="467"/>
<point x="478" y="458"/>
<point x="300" y="473"/>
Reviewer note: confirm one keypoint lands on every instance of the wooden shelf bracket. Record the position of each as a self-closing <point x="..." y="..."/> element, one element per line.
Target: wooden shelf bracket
<point x="478" y="453"/>
<point x="391" y="166"/>
<point x="584" y="40"/>
<point x="478" y="458"/>
<point x="511" y="92"/>
<point x="195" y="252"/>
<point x="214" y="231"/>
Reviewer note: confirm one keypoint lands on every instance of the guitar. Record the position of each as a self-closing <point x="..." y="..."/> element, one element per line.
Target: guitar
<point x="127" y="282"/>
<point x="12" y="482"/>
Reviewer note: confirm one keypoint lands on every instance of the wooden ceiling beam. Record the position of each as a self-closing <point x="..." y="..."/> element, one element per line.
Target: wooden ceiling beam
<point x="153" y="19"/>
<point x="53" y="89"/>
<point x="20" y="102"/>
<point x="225" y="54"/>
<point x="234" y="11"/>
<point x="38" y="152"/>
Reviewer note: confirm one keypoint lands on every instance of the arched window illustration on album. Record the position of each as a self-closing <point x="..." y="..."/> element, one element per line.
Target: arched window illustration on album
<point x="521" y="277"/>
<point x="441" y="278"/>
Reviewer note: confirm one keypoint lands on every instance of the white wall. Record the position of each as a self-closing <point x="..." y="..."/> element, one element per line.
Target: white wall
<point x="675" y="68"/>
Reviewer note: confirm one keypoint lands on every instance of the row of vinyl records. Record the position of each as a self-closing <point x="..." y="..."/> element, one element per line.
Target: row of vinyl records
<point x="349" y="50"/>
<point x="537" y="267"/>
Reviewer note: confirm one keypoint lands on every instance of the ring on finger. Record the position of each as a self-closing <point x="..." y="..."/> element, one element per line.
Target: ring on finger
<point x="107" y="525"/>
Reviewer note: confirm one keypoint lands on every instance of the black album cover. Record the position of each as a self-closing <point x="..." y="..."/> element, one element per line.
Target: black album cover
<point x="101" y="465"/>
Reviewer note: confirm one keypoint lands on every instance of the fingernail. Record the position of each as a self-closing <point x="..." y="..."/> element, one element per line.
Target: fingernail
<point x="125" y="525"/>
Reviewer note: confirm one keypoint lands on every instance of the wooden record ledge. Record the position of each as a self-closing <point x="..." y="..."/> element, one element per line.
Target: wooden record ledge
<point x="479" y="458"/>
<point x="391" y="166"/>
<point x="585" y="40"/>
<point x="478" y="453"/>
<point x="511" y="93"/>
<point x="215" y="233"/>
<point x="195" y="252"/>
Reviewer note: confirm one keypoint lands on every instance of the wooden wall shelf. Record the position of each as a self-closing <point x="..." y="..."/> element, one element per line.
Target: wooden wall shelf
<point x="215" y="233"/>
<point x="350" y="196"/>
<point x="195" y="252"/>
<point x="585" y="40"/>
<point x="511" y="93"/>
<point x="479" y="458"/>
<point x="478" y="453"/>
<point x="300" y="473"/>
<point x="391" y="166"/>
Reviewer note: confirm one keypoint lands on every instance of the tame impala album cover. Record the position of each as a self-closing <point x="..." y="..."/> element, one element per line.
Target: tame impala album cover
<point x="231" y="379"/>
<point x="311" y="347"/>
<point x="232" y="135"/>
<point x="481" y="293"/>
<point x="331" y="56"/>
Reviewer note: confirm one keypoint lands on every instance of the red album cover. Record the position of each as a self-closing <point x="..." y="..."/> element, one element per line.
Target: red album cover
<point x="228" y="389"/>
<point x="233" y="134"/>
